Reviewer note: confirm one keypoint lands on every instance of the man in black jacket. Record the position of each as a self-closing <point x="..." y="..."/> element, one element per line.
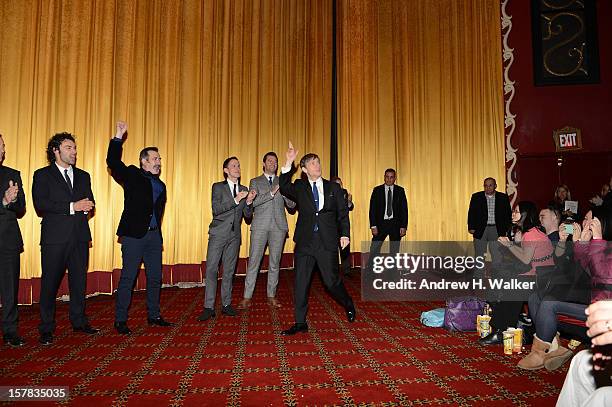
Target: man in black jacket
<point x="11" y="245"/>
<point x="322" y="222"/>
<point x="63" y="198"/>
<point x="388" y="215"/>
<point x="489" y="217"/>
<point x="139" y="228"/>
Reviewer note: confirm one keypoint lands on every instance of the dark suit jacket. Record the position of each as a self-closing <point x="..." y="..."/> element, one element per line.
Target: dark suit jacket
<point x="478" y="214"/>
<point x="333" y="218"/>
<point x="52" y="198"/>
<point x="10" y="235"/>
<point x="350" y="205"/>
<point x="378" y="208"/>
<point x="138" y="205"/>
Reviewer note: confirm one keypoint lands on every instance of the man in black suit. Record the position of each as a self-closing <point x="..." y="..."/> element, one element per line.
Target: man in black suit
<point x="139" y="228"/>
<point x="63" y="198"/>
<point x="489" y="217"/>
<point x="11" y="245"/>
<point x="322" y="222"/>
<point x="388" y="214"/>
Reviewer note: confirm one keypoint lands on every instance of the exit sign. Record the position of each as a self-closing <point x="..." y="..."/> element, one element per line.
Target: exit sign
<point x="567" y="139"/>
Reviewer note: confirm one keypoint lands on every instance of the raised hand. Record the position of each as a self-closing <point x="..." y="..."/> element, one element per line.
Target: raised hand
<point x="291" y="155"/>
<point x="599" y="322"/>
<point x="596" y="228"/>
<point x="84" y="205"/>
<point x="121" y="129"/>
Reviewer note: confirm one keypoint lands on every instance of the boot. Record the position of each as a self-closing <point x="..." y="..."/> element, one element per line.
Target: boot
<point x="535" y="359"/>
<point x="557" y="355"/>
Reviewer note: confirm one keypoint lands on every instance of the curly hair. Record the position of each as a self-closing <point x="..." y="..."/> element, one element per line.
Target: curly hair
<point x="54" y="144"/>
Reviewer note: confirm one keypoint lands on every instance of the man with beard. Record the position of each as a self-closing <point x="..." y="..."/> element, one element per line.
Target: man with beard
<point x="63" y="198"/>
<point x="269" y="227"/>
<point x="139" y="228"/>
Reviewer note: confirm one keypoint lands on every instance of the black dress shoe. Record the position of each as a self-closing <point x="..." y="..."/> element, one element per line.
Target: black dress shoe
<point x="46" y="338"/>
<point x="295" y="329"/>
<point x="494" y="338"/>
<point x="351" y="313"/>
<point x="14" y="340"/>
<point x="159" y="321"/>
<point x="86" y="329"/>
<point x="229" y="311"/>
<point x="122" y="328"/>
<point x="207" y="314"/>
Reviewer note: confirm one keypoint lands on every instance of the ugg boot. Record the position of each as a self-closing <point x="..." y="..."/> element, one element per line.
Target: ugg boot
<point x="557" y="355"/>
<point x="535" y="359"/>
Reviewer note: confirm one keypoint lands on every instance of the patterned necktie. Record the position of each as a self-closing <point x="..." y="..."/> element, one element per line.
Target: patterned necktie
<point x="68" y="180"/>
<point x="389" y="203"/>
<point x="315" y="195"/>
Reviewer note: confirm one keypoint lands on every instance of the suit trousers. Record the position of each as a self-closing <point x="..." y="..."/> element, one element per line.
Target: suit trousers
<point x="133" y="252"/>
<point x="389" y="228"/>
<point x="306" y="256"/>
<point x="9" y="288"/>
<point x="226" y="248"/>
<point x="56" y="258"/>
<point x="489" y="238"/>
<point x="275" y="239"/>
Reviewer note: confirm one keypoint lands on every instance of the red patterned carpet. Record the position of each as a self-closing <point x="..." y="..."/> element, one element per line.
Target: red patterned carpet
<point x="386" y="357"/>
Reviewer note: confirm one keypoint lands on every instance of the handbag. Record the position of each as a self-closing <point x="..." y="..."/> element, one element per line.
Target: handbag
<point x="461" y="313"/>
<point x="433" y="318"/>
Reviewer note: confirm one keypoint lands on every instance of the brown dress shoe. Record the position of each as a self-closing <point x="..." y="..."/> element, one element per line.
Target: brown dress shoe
<point x="274" y="302"/>
<point x="245" y="303"/>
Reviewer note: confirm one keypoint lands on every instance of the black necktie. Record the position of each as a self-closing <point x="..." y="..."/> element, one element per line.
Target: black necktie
<point x="235" y="191"/>
<point x="389" y="203"/>
<point x="270" y="179"/>
<point x="68" y="180"/>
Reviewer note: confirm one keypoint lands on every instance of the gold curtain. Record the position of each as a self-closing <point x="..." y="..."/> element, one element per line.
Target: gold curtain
<point x="420" y="90"/>
<point x="200" y="79"/>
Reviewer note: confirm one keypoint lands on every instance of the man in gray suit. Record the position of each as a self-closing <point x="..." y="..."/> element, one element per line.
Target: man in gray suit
<point x="230" y="202"/>
<point x="269" y="227"/>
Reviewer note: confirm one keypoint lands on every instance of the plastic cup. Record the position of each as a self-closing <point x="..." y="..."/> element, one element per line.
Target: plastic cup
<point x="508" y="342"/>
<point x="517" y="346"/>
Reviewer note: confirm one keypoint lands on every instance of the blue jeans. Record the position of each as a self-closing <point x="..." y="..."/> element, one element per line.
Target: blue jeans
<point x="544" y="315"/>
<point x="133" y="252"/>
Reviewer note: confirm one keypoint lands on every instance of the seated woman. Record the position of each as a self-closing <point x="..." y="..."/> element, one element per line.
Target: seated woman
<point x="591" y="254"/>
<point x="535" y="250"/>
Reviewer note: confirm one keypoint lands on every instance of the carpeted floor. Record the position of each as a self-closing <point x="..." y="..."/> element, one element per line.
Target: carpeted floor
<point x="386" y="357"/>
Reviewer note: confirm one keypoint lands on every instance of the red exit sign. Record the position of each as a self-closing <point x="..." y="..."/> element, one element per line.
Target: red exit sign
<point x="567" y="139"/>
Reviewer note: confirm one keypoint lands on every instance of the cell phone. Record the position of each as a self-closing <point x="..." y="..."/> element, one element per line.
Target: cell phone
<point x="569" y="228"/>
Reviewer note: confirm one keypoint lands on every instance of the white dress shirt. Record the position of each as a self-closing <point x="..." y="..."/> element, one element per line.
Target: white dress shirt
<point x="71" y="176"/>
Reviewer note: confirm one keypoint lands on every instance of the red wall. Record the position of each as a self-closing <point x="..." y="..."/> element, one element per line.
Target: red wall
<point x="540" y="110"/>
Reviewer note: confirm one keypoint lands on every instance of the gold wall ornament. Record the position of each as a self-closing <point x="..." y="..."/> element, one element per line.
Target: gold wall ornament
<point x="565" y="46"/>
<point x="509" y="122"/>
